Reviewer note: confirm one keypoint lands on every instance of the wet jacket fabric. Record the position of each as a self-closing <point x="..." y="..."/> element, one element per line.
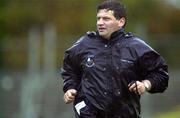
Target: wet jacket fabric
<point x="101" y="69"/>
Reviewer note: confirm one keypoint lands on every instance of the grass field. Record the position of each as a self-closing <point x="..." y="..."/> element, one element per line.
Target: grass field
<point x="172" y="114"/>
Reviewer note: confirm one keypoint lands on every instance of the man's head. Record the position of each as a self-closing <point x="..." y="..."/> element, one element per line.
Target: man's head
<point x="111" y="16"/>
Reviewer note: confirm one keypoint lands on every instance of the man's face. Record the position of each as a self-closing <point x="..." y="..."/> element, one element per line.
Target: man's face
<point x="107" y="23"/>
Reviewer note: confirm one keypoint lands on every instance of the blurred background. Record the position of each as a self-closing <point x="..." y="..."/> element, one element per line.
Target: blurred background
<point x="35" y="33"/>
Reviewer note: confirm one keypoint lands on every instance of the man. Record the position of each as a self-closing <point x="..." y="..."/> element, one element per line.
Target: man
<point x="106" y="72"/>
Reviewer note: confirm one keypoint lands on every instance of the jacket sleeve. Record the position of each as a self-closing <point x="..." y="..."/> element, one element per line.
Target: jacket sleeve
<point x="70" y="71"/>
<point x="154" y="69"/>
<point x="151" y="66"/>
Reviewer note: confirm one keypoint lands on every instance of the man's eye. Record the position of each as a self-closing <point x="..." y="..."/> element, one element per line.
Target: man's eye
<point x="106" y="18"/>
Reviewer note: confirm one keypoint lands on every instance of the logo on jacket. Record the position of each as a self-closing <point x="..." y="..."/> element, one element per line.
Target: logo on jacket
<point x="90" y="61"/>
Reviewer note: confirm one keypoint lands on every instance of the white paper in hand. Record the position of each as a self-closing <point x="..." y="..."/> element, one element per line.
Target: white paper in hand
<point x="79" y="106"/>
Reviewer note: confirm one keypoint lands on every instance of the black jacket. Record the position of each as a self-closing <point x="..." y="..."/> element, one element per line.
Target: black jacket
<point x="101" y="70"/>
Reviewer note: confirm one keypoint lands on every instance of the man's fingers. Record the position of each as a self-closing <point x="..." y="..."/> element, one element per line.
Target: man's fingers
<point x="69" y="96"/>
<point x="67" y="99"/>
<point x="132" y="86"/>
<point x="137" y="87"/>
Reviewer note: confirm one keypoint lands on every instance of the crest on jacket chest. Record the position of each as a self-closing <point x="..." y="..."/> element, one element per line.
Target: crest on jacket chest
<point x="90" y="61"/>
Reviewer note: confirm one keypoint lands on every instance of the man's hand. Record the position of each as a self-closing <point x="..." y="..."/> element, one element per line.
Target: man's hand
<point x="69" y="96"/>
<point x="139" y="87"/>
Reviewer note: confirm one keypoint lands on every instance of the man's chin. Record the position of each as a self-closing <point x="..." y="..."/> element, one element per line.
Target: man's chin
<point x="102" y="34"/>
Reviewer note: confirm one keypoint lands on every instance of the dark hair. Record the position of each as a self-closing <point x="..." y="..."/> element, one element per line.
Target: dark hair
<point x="118" y="8"/>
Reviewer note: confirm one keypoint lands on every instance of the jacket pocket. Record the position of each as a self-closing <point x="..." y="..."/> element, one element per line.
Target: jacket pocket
<point x="126" y="64"/>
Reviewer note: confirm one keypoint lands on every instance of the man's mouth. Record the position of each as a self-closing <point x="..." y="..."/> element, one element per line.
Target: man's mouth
<point x="101" y="29"/>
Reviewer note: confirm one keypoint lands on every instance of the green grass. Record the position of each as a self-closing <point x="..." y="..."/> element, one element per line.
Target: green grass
<point x="172" y="114"/>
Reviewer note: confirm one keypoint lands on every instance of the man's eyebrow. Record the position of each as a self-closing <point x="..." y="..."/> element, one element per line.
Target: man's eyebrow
<point x="106" y="17"/>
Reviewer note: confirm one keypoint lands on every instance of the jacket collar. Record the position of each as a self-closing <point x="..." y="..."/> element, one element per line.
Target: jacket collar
<point x="117" y="33"/>
<point x="114" y="35"/>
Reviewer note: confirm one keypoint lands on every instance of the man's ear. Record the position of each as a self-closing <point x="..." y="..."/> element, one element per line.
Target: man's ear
<point x="122" y="22"/>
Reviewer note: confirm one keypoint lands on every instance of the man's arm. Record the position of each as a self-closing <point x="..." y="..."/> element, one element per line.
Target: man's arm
<point x="154" y="72"/>
<point x="150" y="66"/>
<point x="71" y="76"/>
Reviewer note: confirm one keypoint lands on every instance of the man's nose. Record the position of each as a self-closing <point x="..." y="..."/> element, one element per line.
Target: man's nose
<point x="100" y="21"/>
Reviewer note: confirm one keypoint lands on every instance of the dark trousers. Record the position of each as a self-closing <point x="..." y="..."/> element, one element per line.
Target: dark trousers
<point x="91" y="112"/>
